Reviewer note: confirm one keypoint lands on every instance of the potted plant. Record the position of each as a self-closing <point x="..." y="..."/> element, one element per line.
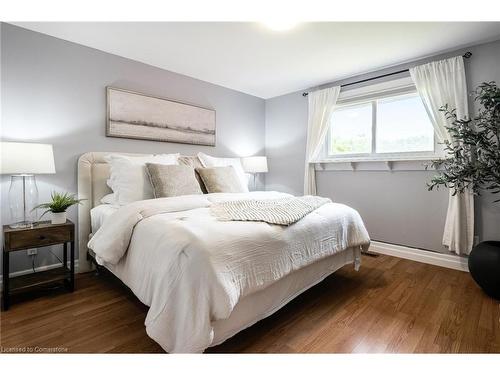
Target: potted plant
<point x="58" y="206"/>
<point x="473" y="162"/>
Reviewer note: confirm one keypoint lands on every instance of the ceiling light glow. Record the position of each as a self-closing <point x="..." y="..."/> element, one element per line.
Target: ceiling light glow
<point x="280" y="25"/>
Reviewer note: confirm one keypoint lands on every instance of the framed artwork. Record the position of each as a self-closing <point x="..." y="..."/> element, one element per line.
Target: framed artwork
<point x="139" y="116"/>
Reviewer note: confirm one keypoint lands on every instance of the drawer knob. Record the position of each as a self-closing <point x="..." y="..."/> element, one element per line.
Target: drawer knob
<point x="41" y="237"/>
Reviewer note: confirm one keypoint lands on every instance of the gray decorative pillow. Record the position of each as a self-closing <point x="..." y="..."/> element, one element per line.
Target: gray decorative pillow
<point x="220" y="180"/>
<point x="193" y="162"/>
<point x="172" y="180"/>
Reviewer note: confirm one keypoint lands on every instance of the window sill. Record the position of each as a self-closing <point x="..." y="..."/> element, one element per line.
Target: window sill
<point x="414" y="163"/>
<point x="375" y="159"/>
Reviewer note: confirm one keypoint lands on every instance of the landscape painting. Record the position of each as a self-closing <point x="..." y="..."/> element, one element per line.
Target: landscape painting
<point x="139" y="116"/>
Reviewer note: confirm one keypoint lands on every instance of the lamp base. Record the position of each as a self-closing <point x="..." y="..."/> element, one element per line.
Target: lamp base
<point x="23" y="224"/>
<point x="23" y="198"/>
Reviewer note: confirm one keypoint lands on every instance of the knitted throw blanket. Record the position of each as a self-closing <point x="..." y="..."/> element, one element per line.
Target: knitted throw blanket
<point x="282" y="211"/>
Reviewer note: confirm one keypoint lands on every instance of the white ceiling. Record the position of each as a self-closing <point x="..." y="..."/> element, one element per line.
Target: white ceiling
<point x="251" y="58"/>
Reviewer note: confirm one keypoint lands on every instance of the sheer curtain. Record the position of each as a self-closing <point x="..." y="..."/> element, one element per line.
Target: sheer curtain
<point x="439" y="83"/>
<point x="321" y="105"/>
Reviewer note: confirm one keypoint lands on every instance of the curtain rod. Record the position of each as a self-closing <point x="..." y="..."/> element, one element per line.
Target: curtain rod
<point x="465" y="55"/>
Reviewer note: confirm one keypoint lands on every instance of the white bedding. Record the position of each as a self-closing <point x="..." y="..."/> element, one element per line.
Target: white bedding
<point x="265" y="302"/>
<point x="99" y="214"/>
<point x="192" y="269"/>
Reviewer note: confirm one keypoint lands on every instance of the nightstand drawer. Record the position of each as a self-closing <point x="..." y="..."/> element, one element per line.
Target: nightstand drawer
<point x="39" y="237"/>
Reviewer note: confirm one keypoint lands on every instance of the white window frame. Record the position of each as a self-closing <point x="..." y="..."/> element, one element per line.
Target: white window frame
<point x="371" y="94"/>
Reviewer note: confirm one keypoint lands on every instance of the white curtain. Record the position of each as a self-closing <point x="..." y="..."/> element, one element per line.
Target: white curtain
<point x="321" y="105"/>
<point x="439" y="83"/>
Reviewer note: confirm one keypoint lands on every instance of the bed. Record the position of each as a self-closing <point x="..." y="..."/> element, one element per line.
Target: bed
<point x="206" y="280"/>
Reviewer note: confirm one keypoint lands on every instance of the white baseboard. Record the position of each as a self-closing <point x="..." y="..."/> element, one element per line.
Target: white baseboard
<point x="424" y="256"/>
<point x="37" y="269"/>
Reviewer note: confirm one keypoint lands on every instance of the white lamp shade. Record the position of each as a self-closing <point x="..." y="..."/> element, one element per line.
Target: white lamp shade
<point x="26" y="158"/>
<point x="254" y="164"/>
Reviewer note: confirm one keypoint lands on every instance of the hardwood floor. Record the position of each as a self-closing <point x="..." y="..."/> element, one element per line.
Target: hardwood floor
<point x="390" y="305"/>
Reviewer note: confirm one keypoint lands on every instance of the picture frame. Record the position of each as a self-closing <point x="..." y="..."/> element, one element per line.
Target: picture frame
<point x="135" y="115"/>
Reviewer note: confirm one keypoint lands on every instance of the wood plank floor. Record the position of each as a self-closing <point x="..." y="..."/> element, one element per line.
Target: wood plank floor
<point x="390" y="305"/>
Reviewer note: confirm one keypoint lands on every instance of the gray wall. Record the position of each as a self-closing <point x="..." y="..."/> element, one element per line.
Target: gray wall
<point x="53" y="91"/>
<point x="396" y="206"/>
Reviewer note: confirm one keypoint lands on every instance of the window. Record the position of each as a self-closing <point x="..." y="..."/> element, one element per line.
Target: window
<point x="382" y="125"/>
<point x="352" y="133"/>
<point x="403" y="125"/>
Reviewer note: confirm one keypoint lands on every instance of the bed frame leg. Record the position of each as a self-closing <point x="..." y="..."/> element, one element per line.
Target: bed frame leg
<point x="94" y="262"/>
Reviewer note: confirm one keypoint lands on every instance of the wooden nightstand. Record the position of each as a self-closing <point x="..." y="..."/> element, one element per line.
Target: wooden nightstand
<point x="43" y="234"/>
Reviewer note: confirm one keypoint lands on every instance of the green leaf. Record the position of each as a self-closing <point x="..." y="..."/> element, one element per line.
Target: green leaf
<point x="474" y="152"/>
<point x="60" y="202"/>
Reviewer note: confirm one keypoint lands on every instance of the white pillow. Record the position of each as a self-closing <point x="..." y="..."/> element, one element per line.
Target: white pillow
<point x="128" y="176"/>
<point x="108" y="199"/>
<point x="210" y="161"/>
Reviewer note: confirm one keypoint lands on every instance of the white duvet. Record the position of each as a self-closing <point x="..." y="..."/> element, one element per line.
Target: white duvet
<point x="192" y="269"/>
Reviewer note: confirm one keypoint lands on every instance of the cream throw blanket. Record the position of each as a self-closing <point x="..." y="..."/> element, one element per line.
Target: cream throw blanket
<point x="282" y="211"/>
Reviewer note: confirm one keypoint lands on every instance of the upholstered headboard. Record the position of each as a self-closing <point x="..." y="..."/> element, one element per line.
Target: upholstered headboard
<point x="93" y="172"/>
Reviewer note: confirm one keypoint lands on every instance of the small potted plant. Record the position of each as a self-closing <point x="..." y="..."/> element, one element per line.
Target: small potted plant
<point x="58" y="206"/>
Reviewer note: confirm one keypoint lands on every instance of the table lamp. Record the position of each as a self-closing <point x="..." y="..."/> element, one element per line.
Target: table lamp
<point x="22" y="161"/>
<point x="254" y="165"/>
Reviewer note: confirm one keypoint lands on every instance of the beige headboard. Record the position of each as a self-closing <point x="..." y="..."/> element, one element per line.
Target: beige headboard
<point x="93" y="171"/>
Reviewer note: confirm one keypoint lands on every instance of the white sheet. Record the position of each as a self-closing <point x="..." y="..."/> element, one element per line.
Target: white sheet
<point x="99" y="214"/>
<point x="192" y="269"/>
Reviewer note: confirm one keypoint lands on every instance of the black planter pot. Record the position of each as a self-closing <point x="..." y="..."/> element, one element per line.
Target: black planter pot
<point x="484" y="266"/>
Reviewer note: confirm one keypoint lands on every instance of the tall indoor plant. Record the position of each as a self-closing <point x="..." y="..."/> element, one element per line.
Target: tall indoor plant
<point x="473" y="162"/>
